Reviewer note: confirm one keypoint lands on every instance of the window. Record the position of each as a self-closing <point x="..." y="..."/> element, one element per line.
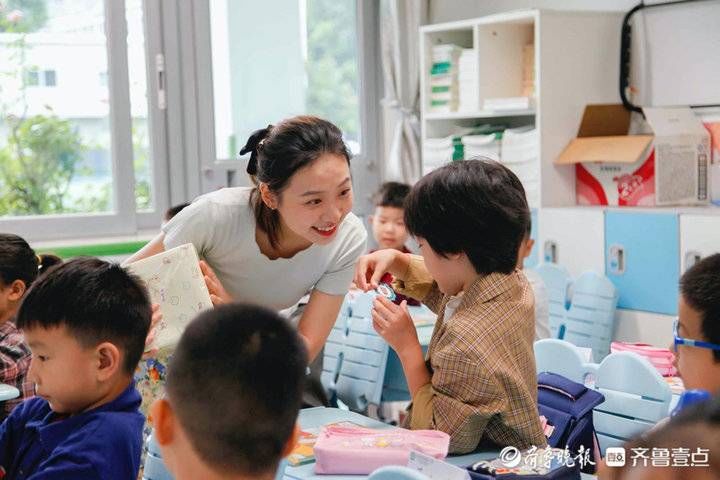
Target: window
<point x="268" y="66"/>
<point x="64" y="172"/>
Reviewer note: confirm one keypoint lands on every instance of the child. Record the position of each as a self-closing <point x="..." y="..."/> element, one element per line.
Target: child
<point x="172" y="211"/>
<point x="19" y="266"/>
<point x="232" y="396"/>
<point x="686" y="447"/>
<point x="698" y="363"/>
<point x="542" y="314"/>
<point x="85" y="322"/>
<point x="388" y="225"/>
<point x="478" y="383"/>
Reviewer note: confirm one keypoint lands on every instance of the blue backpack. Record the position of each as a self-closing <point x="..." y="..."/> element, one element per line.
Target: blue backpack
<point x="568" y="408"/>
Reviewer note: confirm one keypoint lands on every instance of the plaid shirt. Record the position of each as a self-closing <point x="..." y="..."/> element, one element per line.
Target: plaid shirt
<point x="14" y="363"/>
<point x="484" y="384"/>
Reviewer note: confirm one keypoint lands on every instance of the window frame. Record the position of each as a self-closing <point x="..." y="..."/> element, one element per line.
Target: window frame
<point x="124" y="221"/>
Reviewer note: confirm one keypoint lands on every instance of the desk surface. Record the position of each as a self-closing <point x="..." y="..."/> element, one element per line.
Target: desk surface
<point x="317" y="417"/>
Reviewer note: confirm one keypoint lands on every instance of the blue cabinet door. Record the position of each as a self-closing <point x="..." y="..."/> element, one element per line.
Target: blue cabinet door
<point x="533" y="259"/>
<point x="642" y="258"/>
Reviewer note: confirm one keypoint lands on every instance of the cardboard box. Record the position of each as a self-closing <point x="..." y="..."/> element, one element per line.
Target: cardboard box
<point x="614" y="168"/>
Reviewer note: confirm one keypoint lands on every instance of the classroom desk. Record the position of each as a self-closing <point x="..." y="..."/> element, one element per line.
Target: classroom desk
<point x="319" y="416"/>
<point x="8" y="392"/>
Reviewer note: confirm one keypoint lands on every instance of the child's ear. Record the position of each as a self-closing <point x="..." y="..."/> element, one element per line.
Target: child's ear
<point x="17" y="290"/>
<point x="292" y="441"/>
<point x="162" y="418"/>
<point x="109" y="360"/>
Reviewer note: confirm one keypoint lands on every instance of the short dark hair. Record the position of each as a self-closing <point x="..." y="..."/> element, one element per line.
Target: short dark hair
<point x="235" y="382"/>
<point x="18" y="261"/>
<point x="472" y="206"/>
<point x="697" y="426"/>
<point x="96" y="301"/>
<point x="278" y="152"/>
<point x="174" y="210"/>
<point x="391" y="194"/>
<point x="700" y="288"/>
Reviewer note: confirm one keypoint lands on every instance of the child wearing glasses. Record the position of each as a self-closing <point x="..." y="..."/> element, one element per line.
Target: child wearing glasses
<point x="697" y="330"/>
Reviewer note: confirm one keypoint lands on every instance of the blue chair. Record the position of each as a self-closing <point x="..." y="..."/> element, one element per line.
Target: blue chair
<point x="355" y="356"/>
<point x="395" y="472"/>
<point x="590" y="321"/>
<point x="154" y="468"/>
<point x="636" y="398"/>
<point x="362" y="370"/>
<point x="561" y="357"/>
<point x="333" y="352"/>
<point x="557" y="283"/>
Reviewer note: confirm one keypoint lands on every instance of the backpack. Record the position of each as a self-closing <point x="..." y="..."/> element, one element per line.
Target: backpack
<point x="568" y="408"/>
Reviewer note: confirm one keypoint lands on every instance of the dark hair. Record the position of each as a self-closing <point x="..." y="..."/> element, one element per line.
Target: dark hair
<point x="20" y="262"/>
<point x="700" y="288"/>
<point x="697" y="426"/>
<point x="235" y="382"/>
<point x="277" y="152"/>
<point x="174" y="210"/>
<point x="96" y="301"/>
<point x="391" y="194"/>
<point x="472" y="206"/>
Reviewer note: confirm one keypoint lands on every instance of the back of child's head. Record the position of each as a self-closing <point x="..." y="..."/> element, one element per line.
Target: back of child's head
<point x="18" y="261"/>
<point x="96" y="301"/>
<point x="174" y="210"/>
<point x="697" y="427"/>
<point x="235" y="383"/>
<point x="391" y="194"/>
<point x="473" y="206"/>
<point x="700" y="289"/>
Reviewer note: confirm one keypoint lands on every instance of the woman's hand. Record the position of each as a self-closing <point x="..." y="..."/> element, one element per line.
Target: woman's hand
<point x="218" y="294"/>
<point x="371" y="267"/>
<point x="394" y="324"/>
<point x="150" y="350"/>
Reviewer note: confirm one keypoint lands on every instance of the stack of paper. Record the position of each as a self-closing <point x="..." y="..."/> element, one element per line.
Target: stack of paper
<point x="444" y="78"/>
<point x="468" y="84"/>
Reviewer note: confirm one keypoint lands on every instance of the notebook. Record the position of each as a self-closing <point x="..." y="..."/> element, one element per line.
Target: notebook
<point x="175" y="282"/>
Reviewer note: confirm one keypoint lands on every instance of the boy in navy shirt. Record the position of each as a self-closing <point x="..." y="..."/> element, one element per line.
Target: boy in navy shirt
<point x="85" y="323"/>
<point x="233" y="392"/>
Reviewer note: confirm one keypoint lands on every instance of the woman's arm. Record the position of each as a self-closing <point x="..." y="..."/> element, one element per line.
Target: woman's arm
<point x="153" y="247"/>
<point x="318" y="319"/>
<point x="371" y="267"/>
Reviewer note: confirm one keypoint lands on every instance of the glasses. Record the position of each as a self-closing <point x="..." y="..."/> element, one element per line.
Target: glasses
<point x="678" y="340"/>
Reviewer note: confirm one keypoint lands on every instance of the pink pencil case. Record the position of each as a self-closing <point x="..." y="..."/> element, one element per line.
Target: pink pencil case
<point x="357" y="450"/>
<point x="661" y="358"/>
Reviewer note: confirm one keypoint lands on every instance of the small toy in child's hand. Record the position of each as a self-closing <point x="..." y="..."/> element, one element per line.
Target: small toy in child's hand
<point x="386" y="291"/>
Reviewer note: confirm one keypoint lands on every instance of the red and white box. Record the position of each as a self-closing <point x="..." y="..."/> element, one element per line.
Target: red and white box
<point x="669" y="167"/>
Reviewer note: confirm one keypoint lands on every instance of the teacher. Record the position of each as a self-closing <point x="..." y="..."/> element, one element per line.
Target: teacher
<point x="291" y="233"/>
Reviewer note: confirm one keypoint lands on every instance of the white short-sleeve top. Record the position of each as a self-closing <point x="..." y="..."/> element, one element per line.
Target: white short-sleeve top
<point x="221" y="225"/>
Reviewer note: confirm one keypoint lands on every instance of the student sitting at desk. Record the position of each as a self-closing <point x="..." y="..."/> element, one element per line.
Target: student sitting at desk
<point x="697" y="329"/>
<point x="478" y="383"/>
<point x="86" y="322"/>
<point x="388" y="224"/>
<point x="232" y="395"/>
<point x="19" y="267"/>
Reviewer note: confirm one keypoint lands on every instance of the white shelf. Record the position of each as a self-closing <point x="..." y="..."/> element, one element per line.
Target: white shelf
<point x="479" y="114"/>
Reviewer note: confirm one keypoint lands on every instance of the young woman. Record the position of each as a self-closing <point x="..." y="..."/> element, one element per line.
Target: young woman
<point x="291" y="233"/>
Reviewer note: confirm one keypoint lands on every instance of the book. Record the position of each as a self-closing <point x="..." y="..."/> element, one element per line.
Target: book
<point x="174" y="281"/>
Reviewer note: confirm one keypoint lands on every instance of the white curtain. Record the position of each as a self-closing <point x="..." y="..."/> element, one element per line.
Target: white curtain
<point x="400" y="21"/>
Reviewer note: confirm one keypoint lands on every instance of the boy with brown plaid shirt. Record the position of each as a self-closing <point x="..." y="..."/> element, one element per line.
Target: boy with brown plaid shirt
<point x="478" y="382"/>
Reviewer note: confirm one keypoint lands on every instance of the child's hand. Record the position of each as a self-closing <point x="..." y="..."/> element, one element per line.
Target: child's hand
<point x="393" y="323"/>
<point x="371" y="267"/>
<point x="218" y="294"/>
<point x="151" y="351"/>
